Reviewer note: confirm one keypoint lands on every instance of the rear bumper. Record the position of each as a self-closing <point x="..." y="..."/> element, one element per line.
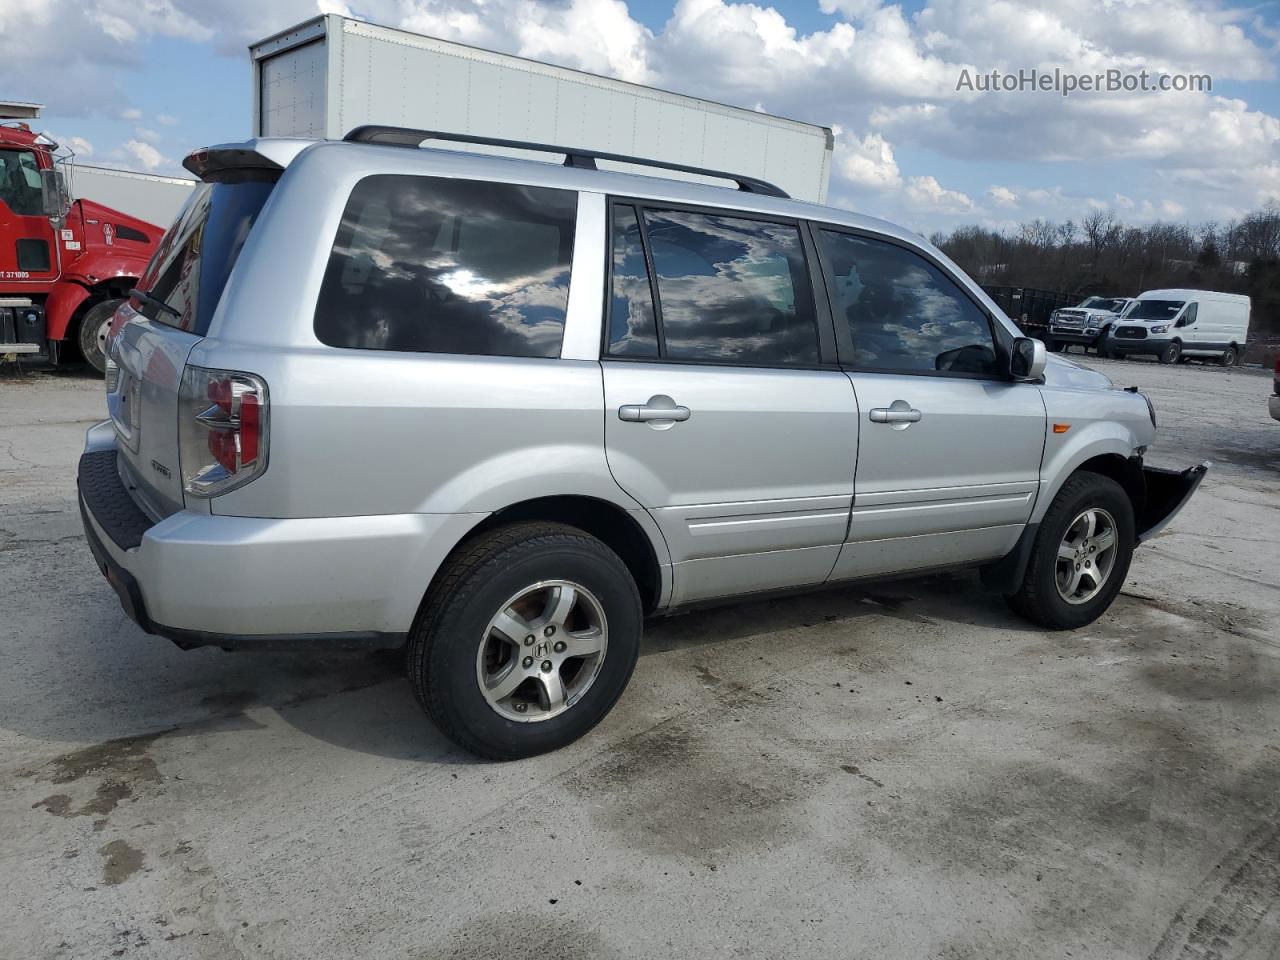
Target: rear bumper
<point x="260" y="583"/>
<point x="1167" y="492"/>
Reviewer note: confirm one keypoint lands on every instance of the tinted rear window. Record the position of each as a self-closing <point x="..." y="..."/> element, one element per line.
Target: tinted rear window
<point x="192" y="263"/>
<point x="435" y="265"/>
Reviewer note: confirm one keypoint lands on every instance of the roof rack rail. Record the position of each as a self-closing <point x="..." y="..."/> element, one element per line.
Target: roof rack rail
<point x="573" y="156"/>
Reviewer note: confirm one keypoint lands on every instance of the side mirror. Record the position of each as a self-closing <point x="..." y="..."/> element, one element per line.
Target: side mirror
<point x="56" y="202"/>
<point x="1027" y="359"/>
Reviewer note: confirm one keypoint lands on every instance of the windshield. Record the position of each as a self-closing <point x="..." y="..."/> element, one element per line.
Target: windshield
<point x="1103" y="303"/>
<point x="1154" y="309"/>
<point x="193" y="261"/>
<point x="20" y="183"/>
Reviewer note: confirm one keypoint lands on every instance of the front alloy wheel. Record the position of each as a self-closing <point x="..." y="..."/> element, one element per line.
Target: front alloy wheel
<point x="1171" y="353"/>
<point x="1080" y="555"/>
<point x="1086" y="556"/>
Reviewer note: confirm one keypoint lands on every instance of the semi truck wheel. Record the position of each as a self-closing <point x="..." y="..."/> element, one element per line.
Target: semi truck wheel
<point x="527" y="640"/>
<point x="93" y="333"/>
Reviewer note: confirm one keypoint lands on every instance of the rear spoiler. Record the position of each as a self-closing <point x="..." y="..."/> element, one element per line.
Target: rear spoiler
<point x="266" y="155"/>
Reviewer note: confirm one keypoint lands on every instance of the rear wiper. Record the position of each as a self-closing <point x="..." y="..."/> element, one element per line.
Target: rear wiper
<point x="154" y="301"/>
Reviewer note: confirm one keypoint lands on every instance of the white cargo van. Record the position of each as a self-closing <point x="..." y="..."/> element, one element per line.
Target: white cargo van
<point x="1176" y="325"/>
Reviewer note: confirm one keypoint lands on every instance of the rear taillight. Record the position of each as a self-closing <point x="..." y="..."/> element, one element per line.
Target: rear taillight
<point x="222" y="430"/>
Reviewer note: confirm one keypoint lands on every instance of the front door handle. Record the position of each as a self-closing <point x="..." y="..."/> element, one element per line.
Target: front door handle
<point x="659" y="408"/>
<point x="899" y="413"/>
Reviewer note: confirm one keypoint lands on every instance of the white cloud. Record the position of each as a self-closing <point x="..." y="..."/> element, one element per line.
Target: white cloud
<point x="925" y="193"/>
<point x="867" y="162"/>
<point x="144" y="154"/>
<point x="132" y="113"/>
<point x="851" y="9"/>
<point x="874" y="69"/>
<point x="1003" y="197"/>
<point x="78" y="145"/>
<point x="146" y="133"/>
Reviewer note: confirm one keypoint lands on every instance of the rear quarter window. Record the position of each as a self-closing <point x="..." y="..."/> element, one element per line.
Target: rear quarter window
<point x="436" y="265"/>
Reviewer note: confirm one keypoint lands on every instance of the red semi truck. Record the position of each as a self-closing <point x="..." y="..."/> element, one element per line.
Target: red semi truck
<point x="64" y="265"/>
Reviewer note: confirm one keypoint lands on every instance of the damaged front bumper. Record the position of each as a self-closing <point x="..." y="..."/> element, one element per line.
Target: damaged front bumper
<point x="1167" y="492"/>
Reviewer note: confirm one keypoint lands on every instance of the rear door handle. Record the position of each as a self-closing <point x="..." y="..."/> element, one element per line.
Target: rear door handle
<point x="900" y="412"/>
<point x="659" y="408"/>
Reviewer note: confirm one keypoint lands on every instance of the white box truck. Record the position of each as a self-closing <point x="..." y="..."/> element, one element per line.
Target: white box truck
<point x="331" y="74"/>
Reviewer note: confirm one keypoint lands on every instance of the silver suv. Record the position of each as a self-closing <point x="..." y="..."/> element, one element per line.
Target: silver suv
<point x="498" y="411"/>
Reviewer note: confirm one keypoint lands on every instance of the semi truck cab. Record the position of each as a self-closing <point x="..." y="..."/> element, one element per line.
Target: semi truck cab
<point x="65" y="265"/>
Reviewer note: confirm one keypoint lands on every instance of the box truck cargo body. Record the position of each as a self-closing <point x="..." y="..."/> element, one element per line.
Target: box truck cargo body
<point x="331" y="74"/>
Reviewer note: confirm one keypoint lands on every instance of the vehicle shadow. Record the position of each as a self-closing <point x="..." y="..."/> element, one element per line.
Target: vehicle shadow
<point x="388" y="721"/>
<point x="363" y="701"/>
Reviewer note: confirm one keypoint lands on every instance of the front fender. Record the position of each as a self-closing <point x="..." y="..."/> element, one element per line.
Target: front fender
<point x="61" y="306"/>
<point x="1097" y="439"/>
<point x="97" y="266"/>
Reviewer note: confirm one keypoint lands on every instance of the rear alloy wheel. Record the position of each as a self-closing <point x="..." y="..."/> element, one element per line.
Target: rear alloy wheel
<point x="94" y="326"/>
<point x="1171" y="353"/>
<point x="1081" y="554"/>
<point x="1228" y="358"/>
<point x="526" y="641"/>
<point x="542" y="651"/>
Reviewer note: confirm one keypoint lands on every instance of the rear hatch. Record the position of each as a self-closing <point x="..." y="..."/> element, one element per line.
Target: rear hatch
<point x="154" y="334"/>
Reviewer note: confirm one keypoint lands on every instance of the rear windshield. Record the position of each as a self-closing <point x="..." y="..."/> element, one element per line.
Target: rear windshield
<point x="1154" y="309"/>
<point x="193" y="261"/>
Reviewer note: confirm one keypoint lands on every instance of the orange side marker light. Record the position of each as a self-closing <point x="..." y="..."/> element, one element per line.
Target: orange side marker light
<point x="1061" y="427"/>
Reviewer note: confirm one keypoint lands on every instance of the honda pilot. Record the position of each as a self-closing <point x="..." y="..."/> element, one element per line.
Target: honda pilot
<point x="497" y="412"/>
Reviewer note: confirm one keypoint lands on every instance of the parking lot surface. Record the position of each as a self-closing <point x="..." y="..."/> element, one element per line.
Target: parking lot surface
<point x="890" y="770"/>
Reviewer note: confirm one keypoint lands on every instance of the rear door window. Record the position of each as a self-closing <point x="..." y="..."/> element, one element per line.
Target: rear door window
<point x="730" y="290"/>
<point x="436" y="265"/>
<point x="190" y="266"/>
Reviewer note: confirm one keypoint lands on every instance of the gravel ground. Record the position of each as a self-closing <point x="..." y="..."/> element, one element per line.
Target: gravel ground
<point x="902" y="770"/>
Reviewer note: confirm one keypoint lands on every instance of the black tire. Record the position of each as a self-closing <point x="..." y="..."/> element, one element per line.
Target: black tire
<point x="1038" y="599"/>
<point x="1171" y="353"/>
<point x="89" y="337"/>
<point x="1228" y="358"/>
<point x="1054" y="346"/>
<point x="478" y="580"/>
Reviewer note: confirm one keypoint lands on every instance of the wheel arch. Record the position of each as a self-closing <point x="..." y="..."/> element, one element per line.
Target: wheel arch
<point x="631" y="534"/>
<point x="82" y="298"/>
<point x="1110" y="454"/>
<point x="1006" y="574"/>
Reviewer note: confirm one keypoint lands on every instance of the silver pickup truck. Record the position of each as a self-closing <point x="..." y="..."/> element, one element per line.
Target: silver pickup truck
<point x="498" y="411"/>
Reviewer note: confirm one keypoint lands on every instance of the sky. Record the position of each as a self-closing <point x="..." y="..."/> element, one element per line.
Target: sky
<point x="140" y="83"/>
